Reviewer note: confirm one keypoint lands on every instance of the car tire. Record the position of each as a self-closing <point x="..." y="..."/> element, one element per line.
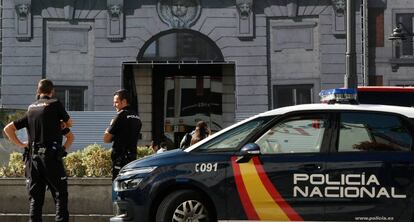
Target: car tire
<point x="184" y="205"/>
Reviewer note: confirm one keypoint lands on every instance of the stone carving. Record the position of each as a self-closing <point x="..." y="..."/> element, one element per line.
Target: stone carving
<point x="338" y="18"/>
<point x="115" y="10"/>
<point x="245" y="7"/>
<point x="339" y="7"/>
<point x="23" y="20"/>
<point x="179" y="13"/>
<point x="115" y="20"/>
<point x="22" y="10"/>
<point x="245" y="24"/>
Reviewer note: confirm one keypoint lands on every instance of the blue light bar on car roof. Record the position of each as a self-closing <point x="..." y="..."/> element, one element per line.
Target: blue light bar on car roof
<point x="339" y="95"/>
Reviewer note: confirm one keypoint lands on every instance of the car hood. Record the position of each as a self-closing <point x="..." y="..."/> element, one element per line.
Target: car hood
<point x="159" y="159"/>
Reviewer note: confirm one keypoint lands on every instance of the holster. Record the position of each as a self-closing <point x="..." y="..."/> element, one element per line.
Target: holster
<point x="48" y="150"/>
<point x="26" y="154"/>
<point x="124" y="159"/>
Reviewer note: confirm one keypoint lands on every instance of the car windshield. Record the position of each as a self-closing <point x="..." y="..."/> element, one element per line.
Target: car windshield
<point x="230" y="140"/>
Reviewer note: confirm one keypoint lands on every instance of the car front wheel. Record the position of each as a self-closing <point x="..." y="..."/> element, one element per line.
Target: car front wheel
<point x="184" y="205"/>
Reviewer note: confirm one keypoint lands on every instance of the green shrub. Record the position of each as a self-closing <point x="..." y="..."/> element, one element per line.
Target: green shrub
<point x="3" y="171"/>
<point x="92" y="161"/>
<point x="97" y="161"/>
<point x="144" y="151"/>
<point x="74" y="164"/>
<point x="15" y="167"/>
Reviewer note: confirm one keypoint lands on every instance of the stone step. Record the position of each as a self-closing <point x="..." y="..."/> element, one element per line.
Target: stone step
<point x="51" y="218"/>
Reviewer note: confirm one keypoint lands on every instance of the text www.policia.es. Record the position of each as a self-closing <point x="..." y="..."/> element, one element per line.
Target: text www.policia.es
<point x="376" y="218"/>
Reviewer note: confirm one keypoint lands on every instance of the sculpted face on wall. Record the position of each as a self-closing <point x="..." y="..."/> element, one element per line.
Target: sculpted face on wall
<point x="115" y="10"/>
<point x="244" y="10"/>
<point x="179" y="13"/>
<point x="179" y="8"/>
<point x="22" y="10"/>
<point x="339" y="7"/>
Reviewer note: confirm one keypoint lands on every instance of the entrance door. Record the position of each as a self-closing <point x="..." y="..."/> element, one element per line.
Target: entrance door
<point x="184" y="95"/>
<point x="189" y="99"/>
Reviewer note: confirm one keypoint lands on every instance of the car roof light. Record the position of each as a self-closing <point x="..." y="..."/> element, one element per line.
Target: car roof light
<point x="340" y="95"/>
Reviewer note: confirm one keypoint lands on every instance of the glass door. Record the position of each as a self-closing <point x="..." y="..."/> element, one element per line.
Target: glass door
<point x="189" y="99"/>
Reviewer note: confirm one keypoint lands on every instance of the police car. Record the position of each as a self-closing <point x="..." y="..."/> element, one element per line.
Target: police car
<point x="334" y="161"/>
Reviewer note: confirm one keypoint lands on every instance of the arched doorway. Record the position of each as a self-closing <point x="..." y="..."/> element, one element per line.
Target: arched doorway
<point x="187" y="80"/>
<point x="180" y="45"/>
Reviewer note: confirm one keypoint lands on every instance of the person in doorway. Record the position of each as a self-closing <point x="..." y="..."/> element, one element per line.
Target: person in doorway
<point x="44" y="166"/>
<point x="201" y="131"/>
<point x="124" y="132"/>
<point x="163" y="148"/>
<point x="154" y="146"/>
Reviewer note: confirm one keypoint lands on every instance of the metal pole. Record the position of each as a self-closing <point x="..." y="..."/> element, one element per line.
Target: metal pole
<point x="350" y="80"/>
<point x="365" y="54"/>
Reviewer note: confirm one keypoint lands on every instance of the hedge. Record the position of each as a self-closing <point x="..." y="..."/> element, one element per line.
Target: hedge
<point x="92" y="161"/>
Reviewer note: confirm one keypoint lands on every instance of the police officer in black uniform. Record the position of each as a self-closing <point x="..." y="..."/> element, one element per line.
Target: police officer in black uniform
<point x="124" y="132"/>
<point x="44" y="166"/>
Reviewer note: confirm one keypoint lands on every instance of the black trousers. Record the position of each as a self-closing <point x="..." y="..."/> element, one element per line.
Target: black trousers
<point x="47" y="170"/>
<point x="120" y="161"/>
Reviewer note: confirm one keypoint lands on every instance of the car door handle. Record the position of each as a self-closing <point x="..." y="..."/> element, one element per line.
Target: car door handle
<point x="311" y="167"/>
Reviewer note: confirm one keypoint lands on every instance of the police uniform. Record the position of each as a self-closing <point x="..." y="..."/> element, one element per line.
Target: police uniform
<point x="125" y="129"/>
<point x="45" y="167"/>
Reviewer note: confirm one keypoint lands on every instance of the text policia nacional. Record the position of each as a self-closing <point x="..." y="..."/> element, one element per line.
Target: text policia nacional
<point x="346" y="185"/>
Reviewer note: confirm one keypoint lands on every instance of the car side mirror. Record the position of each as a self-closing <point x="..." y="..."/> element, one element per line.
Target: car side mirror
<point x="247" y="152"/>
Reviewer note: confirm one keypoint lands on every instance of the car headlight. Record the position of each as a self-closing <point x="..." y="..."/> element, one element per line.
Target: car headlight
<point x="142" y="170"/>
<point x="133" y="180"/>
<point x="127" y="184"/>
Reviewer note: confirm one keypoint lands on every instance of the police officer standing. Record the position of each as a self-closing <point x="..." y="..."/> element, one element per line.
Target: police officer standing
<point x="123" y="131"/>
<point x="44" y="166"/>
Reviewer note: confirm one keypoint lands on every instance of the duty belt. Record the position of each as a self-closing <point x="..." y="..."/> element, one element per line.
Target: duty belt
<point x="38" y="149"/>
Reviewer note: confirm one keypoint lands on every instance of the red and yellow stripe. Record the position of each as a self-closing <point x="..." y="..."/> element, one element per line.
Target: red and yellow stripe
<point x="260" y="199"/>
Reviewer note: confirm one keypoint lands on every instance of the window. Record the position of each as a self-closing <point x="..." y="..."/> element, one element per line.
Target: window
<point x="406" y="48"/>
<point x="302" y="135"/>
<point x="72" y="97"/>
<point x="288" y="95"/>
<point x="180" y="45"/>
<point x="372" y="132"/>
<point x="231" y="140"/>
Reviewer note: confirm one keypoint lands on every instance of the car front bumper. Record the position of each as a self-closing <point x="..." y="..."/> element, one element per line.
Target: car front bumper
<point x="125" y="210"/>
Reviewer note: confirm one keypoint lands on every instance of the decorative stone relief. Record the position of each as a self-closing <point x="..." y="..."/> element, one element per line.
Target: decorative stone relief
<point x="245" y="18"/>
<point x="115" y="20"/>
<point x="293" y="36"/>
<point x="339" y="7"/>
<point x="179" y="13"/>
<point x="23" y="24"/>
<point x="338" y="17"/>
<point x="68" y="38"/>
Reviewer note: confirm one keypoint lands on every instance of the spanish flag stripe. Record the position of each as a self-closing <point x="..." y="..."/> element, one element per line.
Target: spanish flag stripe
<point x="291" y="213"/>
<point x="265" y="206"/>
<point x="244" y="198"/>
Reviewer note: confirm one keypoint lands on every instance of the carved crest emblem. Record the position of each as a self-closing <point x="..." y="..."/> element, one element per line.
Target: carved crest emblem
<point x="179" y="13"/>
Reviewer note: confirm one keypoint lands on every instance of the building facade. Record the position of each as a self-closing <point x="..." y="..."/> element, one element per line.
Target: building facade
<point x="189" y="60"/>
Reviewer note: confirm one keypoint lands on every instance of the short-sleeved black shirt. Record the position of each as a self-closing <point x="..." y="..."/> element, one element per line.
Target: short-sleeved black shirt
<point x="42" y="121"/>
<point x="125" y="129"/>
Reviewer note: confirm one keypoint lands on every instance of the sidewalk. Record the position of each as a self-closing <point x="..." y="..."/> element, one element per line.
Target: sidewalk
<point x="51" y="218"/>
